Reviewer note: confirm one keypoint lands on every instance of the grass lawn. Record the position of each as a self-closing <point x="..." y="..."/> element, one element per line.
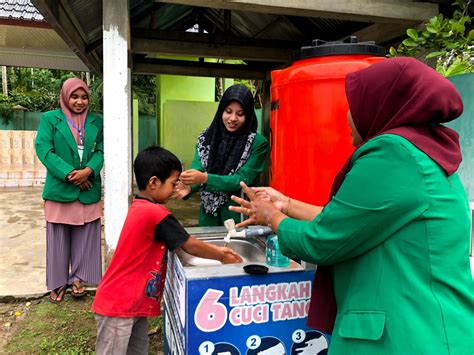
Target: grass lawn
<point x="41" y="327"/>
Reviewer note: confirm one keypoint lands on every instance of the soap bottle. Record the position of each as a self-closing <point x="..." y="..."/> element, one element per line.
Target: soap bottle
<point x="274" y="255"/>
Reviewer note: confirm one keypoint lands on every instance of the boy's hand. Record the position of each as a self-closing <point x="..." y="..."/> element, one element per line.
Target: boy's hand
<point x="205" y="250"/>
<point x="229" y="256"/>
<point x="180" y="191"/>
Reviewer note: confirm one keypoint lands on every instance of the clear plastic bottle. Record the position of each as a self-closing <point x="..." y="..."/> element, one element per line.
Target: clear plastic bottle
<point x="274" y="255"/>
<point x="257" y="231"/>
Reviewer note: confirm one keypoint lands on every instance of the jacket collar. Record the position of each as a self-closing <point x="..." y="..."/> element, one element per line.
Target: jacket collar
<point x="90" y="131"/>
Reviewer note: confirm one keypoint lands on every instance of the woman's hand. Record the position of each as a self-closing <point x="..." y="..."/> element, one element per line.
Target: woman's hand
<point x="193" y="177"/>
<point x="78" y="177"/>
<point x="260" y="210"/>
<point x="270" y="194"/>
<point x="180" y="191"/>
<point x="229" y="256"/>
<point x="86" y="185"/>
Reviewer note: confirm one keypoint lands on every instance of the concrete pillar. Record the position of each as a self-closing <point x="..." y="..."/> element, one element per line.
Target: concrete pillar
<point x="117" y="117"/>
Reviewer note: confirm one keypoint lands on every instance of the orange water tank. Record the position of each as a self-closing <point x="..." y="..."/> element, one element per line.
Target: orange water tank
<point x="310" y="135"/>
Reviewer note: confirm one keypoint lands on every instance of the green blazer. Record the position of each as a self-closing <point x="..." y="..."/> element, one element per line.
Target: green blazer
<point x="255" y="164"/>
<point x="57" y="150"/>
<point x="397" y="237"/>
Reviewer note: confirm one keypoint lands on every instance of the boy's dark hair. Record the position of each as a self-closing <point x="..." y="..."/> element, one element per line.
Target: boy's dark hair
<point x="155" y="161"/>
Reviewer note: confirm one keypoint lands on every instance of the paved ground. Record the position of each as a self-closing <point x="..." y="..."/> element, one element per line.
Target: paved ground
<point x="22" y="239"/>
<point x="22" y="242"/>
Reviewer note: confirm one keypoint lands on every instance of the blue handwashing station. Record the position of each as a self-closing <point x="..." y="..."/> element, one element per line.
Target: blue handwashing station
<point x="257" y="307"/>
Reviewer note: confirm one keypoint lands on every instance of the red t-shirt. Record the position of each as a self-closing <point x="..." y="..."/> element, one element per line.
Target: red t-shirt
<point x="133" y="283"/>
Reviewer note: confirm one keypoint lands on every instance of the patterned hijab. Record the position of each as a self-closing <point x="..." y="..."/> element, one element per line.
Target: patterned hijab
<point x="222" y="152"/>
<point x="400" y="96"/>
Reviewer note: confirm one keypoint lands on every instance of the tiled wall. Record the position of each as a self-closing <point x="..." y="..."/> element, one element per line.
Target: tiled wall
<point x="19" y="165"/>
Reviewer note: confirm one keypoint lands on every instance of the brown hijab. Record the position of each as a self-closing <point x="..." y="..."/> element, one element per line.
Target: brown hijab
<point x="399" y="96"/>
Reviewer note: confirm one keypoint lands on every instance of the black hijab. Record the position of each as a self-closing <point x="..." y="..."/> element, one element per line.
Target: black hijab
<point x="222" y="152"/>
<point x="226" y="147"/>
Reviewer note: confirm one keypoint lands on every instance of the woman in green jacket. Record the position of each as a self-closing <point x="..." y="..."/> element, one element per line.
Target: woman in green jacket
<point x="392" y="244"/>
<point x="69" y="143"/>
<point x="229" y="151"/>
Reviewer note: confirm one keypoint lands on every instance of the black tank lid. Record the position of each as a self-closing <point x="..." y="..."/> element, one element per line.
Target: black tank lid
<point x="320" y="48"/>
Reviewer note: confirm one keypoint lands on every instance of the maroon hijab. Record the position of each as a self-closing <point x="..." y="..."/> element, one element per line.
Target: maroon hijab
<point x="399" y="96"/>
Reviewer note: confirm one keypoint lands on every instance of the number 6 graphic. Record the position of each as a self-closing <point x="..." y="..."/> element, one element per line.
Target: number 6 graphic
<point x="210" y="315"/>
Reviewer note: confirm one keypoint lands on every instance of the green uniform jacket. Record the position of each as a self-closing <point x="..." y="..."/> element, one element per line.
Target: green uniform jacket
<point x="57" y="150"/>
<point x="397" y="235"/>
<point x="255" y="164"/>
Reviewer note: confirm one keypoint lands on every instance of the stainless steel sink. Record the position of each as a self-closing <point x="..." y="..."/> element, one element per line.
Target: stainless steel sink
<point x="249" y="249"/>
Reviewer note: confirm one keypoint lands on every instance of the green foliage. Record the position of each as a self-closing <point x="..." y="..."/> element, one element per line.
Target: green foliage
<point x="39" y="99"/>
<point x="38" y="90"/>
<point x="447" y="43"/>
<point x="96" y="89"/>
<point x="143" y="89"/>
<point x="255" y="87"/>
<point x="6" y="112"/>
<point x="34" y="89"/>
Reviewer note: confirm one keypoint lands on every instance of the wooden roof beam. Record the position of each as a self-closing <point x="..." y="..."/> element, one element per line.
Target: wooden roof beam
<point x="200" y="45"/>
<point x="378" y="11"/>
<point x="191" y="49"/>
<point x="193" y="68"/>
<point x="382" y="34"/>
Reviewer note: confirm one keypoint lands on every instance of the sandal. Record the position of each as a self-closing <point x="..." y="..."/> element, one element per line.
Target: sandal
<point x="78" y="290"/>
<point x="56" y="295"/>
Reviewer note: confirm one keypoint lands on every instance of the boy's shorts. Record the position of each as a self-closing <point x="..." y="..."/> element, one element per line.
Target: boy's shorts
<point x="117" y="335"/>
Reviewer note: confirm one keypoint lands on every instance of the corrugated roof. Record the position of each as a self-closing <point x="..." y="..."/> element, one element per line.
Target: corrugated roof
<point x="20" y="10"/>
<point x="36" y="47"/>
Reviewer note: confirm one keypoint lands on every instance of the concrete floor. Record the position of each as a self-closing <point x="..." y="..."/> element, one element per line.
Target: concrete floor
<point x="23" y="241"/>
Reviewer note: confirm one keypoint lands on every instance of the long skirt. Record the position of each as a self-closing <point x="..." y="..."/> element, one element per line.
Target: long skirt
<point x="73" y="253"/>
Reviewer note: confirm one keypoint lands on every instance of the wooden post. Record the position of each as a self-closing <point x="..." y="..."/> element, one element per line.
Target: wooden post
<point x="117" y="117"/>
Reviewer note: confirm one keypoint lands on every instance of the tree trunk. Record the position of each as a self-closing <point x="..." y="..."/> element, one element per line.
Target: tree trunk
<point x="219" y="88"/>
<point x="4" y="81"/>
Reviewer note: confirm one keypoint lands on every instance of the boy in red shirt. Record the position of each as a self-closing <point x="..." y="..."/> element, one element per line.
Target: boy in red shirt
<point x="132" y="286"/>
